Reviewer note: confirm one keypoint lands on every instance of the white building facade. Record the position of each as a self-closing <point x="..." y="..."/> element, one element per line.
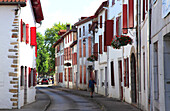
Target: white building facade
<point x="18" y="45"/>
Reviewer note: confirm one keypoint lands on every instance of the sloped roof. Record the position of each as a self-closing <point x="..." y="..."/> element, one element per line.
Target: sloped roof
<point x="13" y="2"/>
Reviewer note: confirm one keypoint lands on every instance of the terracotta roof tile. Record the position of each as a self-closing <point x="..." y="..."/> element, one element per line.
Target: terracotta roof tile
<point x="8" y="1"/>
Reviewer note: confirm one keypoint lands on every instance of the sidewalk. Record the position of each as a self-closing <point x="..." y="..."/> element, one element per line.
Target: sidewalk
<point x="41" y="103"/>
<point x="106" y="104"/>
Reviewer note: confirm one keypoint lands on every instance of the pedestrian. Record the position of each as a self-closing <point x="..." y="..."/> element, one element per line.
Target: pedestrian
<point x="91" y="86"/>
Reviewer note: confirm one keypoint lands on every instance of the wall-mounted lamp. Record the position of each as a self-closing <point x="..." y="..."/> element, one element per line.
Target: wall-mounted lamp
<point x="96" y="28"/>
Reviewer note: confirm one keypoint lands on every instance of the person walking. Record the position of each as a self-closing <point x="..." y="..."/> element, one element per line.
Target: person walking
<point x="91" y="86"/>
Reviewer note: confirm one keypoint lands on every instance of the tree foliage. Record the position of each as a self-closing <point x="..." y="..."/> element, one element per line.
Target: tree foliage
<point x="46" y="42"/>
<point x="42" y="55"/>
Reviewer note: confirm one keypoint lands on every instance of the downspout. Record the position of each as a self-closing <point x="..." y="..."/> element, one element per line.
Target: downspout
<point x="139" y="50"/>
<point x="149" y="56"/>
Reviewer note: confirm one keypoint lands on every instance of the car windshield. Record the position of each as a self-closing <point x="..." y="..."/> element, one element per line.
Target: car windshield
<point x="44" y="79"/>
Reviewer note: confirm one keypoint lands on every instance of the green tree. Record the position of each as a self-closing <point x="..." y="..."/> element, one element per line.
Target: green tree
<point x="51" y="36"/>
<point x="42" y="56"/>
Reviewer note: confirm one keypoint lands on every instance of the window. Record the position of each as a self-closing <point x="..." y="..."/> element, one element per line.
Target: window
<point x="156" y="76"/>
<point x="100" y="44"/>
<point x="113" y="2"/>
<point x="112" y="73"/>
<point x="83" y="30"/>
<point x="79" y="32"/>
<point x="101" y="21"/>
<point x="89" y="27"/>
<point x="22" y="76"/>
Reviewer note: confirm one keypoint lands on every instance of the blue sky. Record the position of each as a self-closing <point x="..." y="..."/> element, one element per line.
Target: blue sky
<point x="63" y="11"/>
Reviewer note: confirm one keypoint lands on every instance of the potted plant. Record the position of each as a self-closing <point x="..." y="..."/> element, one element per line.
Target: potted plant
<point x="92" y="58"/>
<point x="121" y="40"/>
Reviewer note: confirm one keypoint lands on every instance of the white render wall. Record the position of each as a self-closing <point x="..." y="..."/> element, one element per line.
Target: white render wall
<point x="7" y="17"/>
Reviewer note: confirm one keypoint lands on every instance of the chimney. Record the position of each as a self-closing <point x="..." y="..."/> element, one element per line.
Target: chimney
<point x="68" y="27"/>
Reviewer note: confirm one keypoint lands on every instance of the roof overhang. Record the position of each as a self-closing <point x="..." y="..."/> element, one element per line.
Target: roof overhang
<point x="84" y="20"/>
<point x="13" y="2"/>
<point x="36" y="5"/>
<point x="100" y="9"/>
<point x="74" y="43"/>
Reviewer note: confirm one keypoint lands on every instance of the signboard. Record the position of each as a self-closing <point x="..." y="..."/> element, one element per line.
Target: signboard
<point x="165" y="7"/>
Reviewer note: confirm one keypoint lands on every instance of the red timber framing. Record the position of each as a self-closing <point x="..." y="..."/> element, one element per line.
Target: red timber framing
<point x="108" y="32"/>
<point x="125" y="30"/>
<point x="100" y="44"/>
<point x="131" y="13"/>
<point x="84" y="68"/>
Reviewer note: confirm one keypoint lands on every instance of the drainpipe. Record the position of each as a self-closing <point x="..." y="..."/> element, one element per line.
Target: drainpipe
<point x="139" y="50"/>
<point x="149" y="55"/>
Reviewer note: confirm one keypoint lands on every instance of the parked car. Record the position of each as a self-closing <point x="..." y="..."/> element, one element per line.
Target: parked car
<point x="44" y="81"/>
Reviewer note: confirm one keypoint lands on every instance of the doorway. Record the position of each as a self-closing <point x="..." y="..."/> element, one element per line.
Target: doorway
<point x="166" y="55"/>
<point x="133" y="79"/>
<point x="25" y="86"/>
<point x="120" y="79"/>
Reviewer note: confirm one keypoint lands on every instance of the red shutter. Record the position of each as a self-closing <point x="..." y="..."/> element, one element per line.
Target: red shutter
<point x="65" y="74"/>
<point x="105" y="15"/>
<point x="108" y="32"/>
<point x="105" y="48"/>
<point x="146" y="5"/>
<point x="80" y="74"/>
<point x="117" y="26"/>
<point x="125" y="31"/>
<point x="113" y="2"/>
<point x="127" y="72"/>
<point x="89" y="41"/>
<point x="143" y="9"/>
<point x="36" y="50"/>
<point x="29" y="75"/>
<point x="131" y="11"/>
<point x="27" y="33"/>
<point x="84" y="50"/>
<point x="95" y="50"/>
<point x="22" y="34"/>
<point x="75" y="58"/>
<point x="33" y="36"/>
<point x="69" y="74"/>
<point x="84" y="74"/>
<point x="100" y="44"/>
<point x="101" y="21"/>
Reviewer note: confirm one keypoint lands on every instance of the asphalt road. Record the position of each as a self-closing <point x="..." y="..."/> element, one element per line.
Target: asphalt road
<point x="64" y="101"/>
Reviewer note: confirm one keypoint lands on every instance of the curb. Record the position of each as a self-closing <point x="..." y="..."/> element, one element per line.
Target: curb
<point x="49" y="103"/>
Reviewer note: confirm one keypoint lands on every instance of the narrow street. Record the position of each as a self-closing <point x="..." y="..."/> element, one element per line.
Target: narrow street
<point x="63" y="101"/>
